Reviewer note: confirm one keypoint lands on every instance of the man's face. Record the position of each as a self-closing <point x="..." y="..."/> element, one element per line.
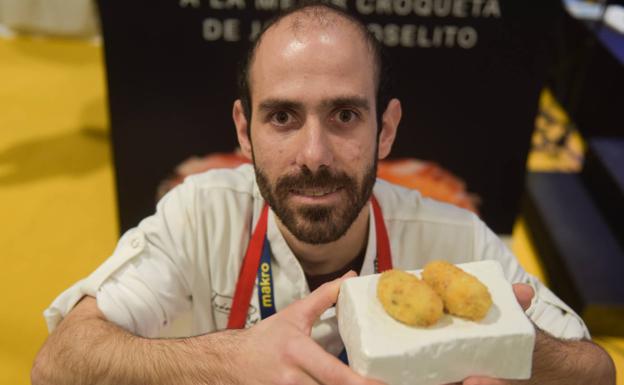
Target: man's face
<point x="313" y="128"/>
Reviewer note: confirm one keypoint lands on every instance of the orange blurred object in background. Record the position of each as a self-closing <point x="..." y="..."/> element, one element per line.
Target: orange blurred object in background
<point x="427" y="177"/>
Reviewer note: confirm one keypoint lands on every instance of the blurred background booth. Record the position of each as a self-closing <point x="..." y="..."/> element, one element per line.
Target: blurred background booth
<point x="468" y="73"/>
<point x="576" y="220"/>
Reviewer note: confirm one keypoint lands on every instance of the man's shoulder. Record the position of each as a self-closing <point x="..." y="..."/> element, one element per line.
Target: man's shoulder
<point x="222" y="190"/>
<point x="240" y="180"/>
<point x="408" y="205"/>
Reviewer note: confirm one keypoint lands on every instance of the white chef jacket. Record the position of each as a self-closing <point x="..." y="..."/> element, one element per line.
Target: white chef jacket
<point x="183" y="262"/>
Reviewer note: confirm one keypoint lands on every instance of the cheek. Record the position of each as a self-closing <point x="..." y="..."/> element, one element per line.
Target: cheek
<point x="270" y="154"/>
<point x="356" y="152"/>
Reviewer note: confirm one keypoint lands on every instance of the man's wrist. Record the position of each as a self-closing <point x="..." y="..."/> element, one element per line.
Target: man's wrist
<point x="558" y="361"/>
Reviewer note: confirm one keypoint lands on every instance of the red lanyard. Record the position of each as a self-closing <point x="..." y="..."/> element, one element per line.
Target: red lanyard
<point x="251" y="262"/>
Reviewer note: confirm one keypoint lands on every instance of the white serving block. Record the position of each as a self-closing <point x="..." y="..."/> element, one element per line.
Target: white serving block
<point x="378" y="346"/>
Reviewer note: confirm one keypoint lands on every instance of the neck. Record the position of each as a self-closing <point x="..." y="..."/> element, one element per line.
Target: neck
<point x="330" y="257"/>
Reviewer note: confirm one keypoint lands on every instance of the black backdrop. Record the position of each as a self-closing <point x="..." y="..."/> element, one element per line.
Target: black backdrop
<point x="468" y="72"/>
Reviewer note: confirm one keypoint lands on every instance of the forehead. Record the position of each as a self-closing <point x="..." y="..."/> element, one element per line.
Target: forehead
<point x="307" y="55"/>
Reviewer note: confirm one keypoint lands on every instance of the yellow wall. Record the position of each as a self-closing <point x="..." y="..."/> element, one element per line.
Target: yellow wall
<point x="57" y="205"/>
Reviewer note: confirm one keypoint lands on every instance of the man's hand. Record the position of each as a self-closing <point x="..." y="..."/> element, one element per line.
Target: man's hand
<point x="88" y="349"/>
<point x="524" y="295"/>
<point x="558" y="361"/>
<point x="279" y="349"/>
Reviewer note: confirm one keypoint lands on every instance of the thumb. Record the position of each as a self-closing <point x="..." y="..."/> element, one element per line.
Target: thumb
<point x="524" y="294"/>
<point x="309" y="309"/>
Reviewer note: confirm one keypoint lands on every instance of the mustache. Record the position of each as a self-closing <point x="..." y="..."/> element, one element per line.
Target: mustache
<point x="306" y="179"/>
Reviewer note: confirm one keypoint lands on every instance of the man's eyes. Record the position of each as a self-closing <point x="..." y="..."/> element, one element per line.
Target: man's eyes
<point x="281" y="118"/>
<point x="287" y="118"/>
<point x="346" y="116"/>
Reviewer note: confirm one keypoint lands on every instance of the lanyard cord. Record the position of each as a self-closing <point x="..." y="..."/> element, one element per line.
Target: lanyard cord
<point x="257" y="263"/>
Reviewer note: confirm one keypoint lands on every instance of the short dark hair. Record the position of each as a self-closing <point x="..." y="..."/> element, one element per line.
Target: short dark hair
<point x="379" y="56"/>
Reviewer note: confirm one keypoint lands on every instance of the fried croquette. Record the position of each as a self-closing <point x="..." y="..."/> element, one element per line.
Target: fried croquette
<point x="462" y="293"/>
<point x="408" y="299"/>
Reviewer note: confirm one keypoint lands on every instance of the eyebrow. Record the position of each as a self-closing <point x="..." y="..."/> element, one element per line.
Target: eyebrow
<point x="279" y="104"/>
<point x="353" y="101"/>
<point x="341" y="101"/>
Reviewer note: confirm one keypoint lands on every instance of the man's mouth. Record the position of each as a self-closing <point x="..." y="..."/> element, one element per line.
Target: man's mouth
<point x="316" y="192"/>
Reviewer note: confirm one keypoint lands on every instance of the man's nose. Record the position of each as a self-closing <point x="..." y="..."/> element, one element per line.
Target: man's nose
<point x="315" y="149"/>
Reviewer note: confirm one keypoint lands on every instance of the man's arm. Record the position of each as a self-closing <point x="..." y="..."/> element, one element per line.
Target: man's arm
<point x="87" y="349"/>
<point x="557" y="361"/>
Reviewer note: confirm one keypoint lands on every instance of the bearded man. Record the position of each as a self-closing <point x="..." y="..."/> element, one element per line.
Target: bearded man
<point x="240" y="264"/>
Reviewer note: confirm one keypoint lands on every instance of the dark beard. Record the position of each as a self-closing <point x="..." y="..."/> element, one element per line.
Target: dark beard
<point x="318" y="224"/>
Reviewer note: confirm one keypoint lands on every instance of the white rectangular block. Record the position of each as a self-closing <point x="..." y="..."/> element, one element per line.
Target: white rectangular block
<point x="378" y="346"/>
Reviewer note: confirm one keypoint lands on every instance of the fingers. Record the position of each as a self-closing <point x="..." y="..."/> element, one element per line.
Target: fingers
<point x="293" y="376"/>
<point x="524" y="294"/>
<point x="327" y="369"/>
<point x="310" y="308"/>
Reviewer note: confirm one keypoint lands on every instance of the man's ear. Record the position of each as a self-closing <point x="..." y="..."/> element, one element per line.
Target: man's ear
<point x="242" y="129"/>
<point x="389" y="124"/>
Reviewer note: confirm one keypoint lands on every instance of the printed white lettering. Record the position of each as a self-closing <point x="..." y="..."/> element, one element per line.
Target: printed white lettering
<point x="442" y="8"/>
<point x="423" y="7"/>
<point x="423" y="41"/>
<point x="451" y="31"/>
<point x="215" y="29"/>
<point x="491" y="8"/>
<point x="407" y="35"/>
<point x="403" y="7"/>
<point x="459" y="9"/>
<point x="340" y="3"/>
<point x="273" y="5"/>
<point x="410" y="35"/>
<point x="427" y="8"/>
<point x="376" y="30"/>
<point x="256" y="27"/>
<point x="467" y="37"/>
<point x="384" y="7"/>
<point x="365" y="7"/>
<point x="477" y="5"/>
<point x="392" y="35"/>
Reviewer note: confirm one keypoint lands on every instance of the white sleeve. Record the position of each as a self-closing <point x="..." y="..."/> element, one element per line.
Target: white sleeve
<point x="144" y="285"/>
<point x="547" y="311"/>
